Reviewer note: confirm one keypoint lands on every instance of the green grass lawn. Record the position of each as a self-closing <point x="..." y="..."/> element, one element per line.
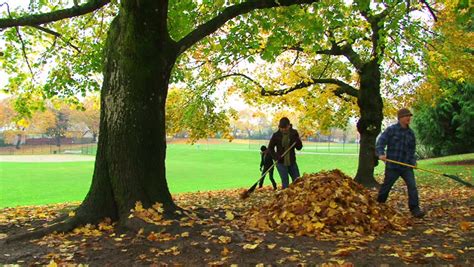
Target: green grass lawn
<point x="189" y="168"/>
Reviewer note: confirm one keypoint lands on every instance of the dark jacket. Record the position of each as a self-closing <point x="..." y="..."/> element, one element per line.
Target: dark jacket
<point x="276" y="141"/>
<point x="267" y="160"/>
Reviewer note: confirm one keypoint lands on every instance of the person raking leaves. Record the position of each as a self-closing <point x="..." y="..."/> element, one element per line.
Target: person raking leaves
<point x="266" y="164"/>
<point x="400" y="141"/>
<point x="282" y="140"/>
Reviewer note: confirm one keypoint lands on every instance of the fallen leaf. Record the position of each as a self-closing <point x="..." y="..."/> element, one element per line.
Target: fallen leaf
<point x="229" y="215"/>
<point x="271" y="246"/>
<point x="465" y="226"/>
<point x="250" y="246"/>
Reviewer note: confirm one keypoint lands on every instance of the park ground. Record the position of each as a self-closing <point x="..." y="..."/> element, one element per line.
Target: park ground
<point x="217" y="235"/>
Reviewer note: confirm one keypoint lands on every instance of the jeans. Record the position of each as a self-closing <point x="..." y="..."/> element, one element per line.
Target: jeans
<point x="270" y="175"/>
<point x="391" y="176"/>
<point x="284" y="171"/>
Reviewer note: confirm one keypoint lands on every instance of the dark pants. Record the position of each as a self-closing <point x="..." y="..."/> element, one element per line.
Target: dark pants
<point x="284" y="171"/>
<point x="270" y="175"/>
<point x="391" y="176"/>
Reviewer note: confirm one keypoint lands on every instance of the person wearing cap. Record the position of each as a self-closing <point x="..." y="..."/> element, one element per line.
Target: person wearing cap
<point x="283" y="140"/>
<point x="400" y="141"/>
<point x="266" y="164"/>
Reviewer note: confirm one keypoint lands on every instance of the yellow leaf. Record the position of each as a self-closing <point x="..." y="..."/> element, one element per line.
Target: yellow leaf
<point x="429" y="255"/>
<point x="207" y="250"/>
<point x="271" y="246"/>
<point x="333" y="205"/>
<point x="250" y="246"/>
<point x="229" y="215"/>
<point x="224" y="239"/>
<point x="292" y="258"/>
<point x="318" y="225"/>
<point x="72" y="214"/>
<point x="317" y="209"/>
<point x="429" y="231"/>
<point x="185" y="234"/>
<point x="52" y="263"/>
<point x="138" y="206"/>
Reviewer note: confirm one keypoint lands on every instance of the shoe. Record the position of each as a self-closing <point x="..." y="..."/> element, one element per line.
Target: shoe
<point x="418" y="213"/>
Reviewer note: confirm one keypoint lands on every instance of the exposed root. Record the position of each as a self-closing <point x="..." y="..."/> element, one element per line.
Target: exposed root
<point x="64" y="226"/>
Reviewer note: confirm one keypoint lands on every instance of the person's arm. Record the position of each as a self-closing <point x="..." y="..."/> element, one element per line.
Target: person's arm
<point x="271" y="147"/>
<point x="299" y="144"/>
<point x="262" y="159"/>
<point x="412" y="159"/>
<point x="381" y="144"/>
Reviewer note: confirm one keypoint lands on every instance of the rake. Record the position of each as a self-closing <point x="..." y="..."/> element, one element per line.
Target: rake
<point x="247" y="193"/>
<point x="454" y="177"/>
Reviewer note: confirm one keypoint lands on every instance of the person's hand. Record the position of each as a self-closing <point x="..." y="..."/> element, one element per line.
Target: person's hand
<point x="383" y="157"/>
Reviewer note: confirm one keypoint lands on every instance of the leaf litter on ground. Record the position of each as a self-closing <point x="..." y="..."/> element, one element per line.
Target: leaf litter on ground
<point x="321" y="218"/>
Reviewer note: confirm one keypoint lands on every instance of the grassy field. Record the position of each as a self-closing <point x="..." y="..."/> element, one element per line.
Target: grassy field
<point x="189" y="168"/>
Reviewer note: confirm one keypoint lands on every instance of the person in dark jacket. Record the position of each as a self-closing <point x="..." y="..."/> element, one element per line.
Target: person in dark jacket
<point x="266" y="164"/>
<point x="282" y="140"/>
<point x="400" y="141"/>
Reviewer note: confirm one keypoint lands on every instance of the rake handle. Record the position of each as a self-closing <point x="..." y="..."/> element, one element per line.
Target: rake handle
<point x="456" y="178"/>
<point x="275" y="163"/>
<point x="412" y="166"/>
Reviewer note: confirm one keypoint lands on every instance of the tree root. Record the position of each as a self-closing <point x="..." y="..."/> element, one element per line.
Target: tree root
<point x="64" y="226"/>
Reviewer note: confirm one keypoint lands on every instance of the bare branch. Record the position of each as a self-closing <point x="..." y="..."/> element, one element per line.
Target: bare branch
<point x="38" y="19"/>
<point x="58" y="35"/>
<point x="23" y="50"/>
<point x="23" y="46"/>
<point x="430" y="9"/>
<point x="239" y="75"/>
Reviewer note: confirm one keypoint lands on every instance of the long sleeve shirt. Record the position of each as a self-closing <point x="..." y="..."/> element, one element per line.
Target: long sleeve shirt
<point x="400" y="143"/>
<point x="277" y="142"/>
<point x="266" y="160"/>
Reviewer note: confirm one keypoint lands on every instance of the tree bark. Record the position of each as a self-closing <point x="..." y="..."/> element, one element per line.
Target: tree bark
<point x="130" y="160"/>
<point x="370" y="121"/>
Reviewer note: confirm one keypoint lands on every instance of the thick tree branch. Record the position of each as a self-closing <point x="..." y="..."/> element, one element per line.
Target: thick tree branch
<point x="38" y="19"/>
<point x="229" y="13"/>
<point x="343" y="88"/>
<point x="336" y="50"/>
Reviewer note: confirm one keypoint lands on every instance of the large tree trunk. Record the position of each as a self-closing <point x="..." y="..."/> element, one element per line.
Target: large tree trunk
<point x="130" y="160"/>
<point x="370" y="122"/>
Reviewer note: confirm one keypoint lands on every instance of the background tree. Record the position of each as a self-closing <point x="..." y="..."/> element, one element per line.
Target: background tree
<point x="144" y="41"/>
<point x="88" y="115"/>
<point x="447" y="127"/>
<point x="331" y="62"/>
<point x="15" y="127"/>
<point x="444" y="103"/>
<point x="197" y="114"/>
<point x="61" y="125"/>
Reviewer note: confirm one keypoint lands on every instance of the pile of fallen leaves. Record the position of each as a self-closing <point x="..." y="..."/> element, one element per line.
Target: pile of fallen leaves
<point x="325" y="204"/>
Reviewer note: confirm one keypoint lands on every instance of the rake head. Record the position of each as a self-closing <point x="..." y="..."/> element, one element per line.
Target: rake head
<point x="245" y="194"/>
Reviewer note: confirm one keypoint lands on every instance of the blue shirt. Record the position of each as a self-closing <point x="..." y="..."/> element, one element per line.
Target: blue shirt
<point x="400" y="143"/>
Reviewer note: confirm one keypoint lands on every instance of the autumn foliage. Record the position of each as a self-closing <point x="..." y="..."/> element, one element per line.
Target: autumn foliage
<point x="325" y="204"/>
